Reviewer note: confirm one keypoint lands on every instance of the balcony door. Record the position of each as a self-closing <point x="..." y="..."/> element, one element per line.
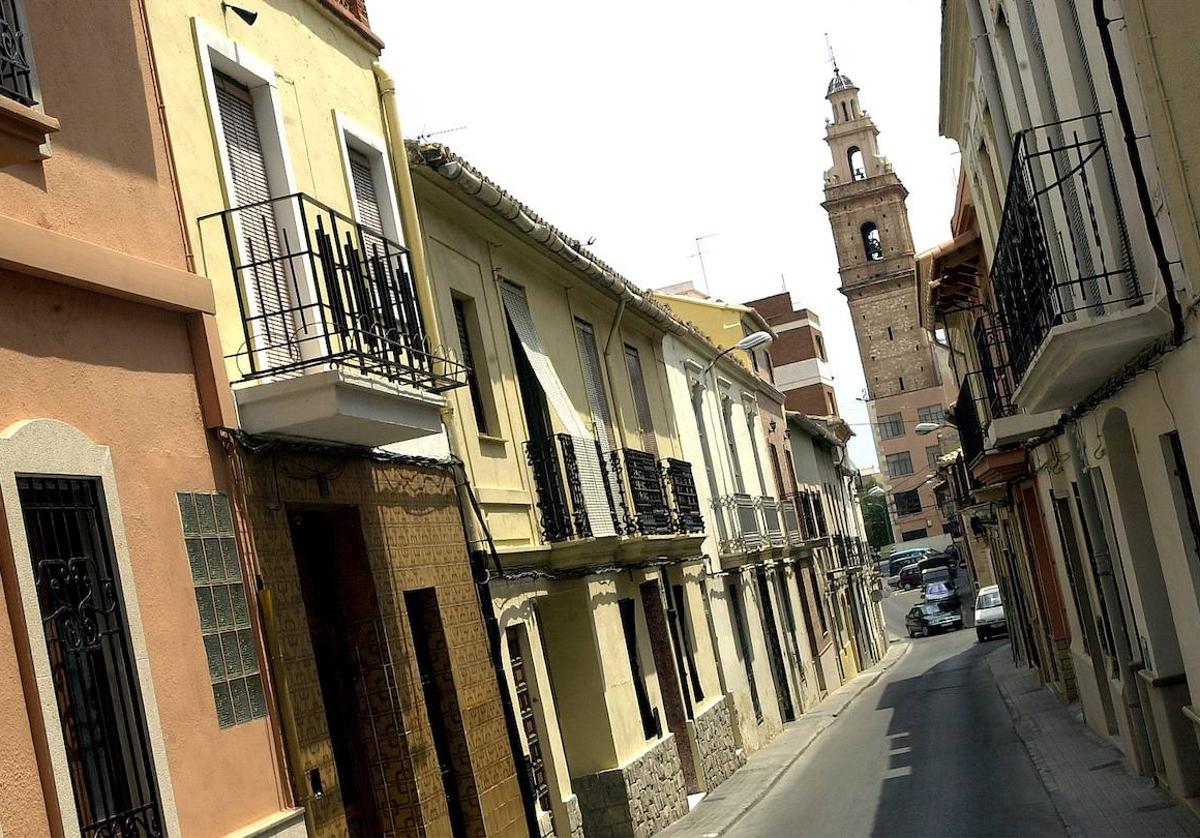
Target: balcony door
<point x="270" y="276"/>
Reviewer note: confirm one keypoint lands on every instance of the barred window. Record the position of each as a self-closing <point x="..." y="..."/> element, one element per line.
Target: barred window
<point x="891" y="426"/>
<point x="907" y="503"/>
<point x="229" y="643"/>
<point x="934" y="413"/>
<point x="900" y="464"/>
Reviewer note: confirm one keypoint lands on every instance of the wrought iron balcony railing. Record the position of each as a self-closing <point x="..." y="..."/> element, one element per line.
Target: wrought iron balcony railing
<point x="650" y="514"/>
<point x="16" y="75"/>
<point x="791" y="520"/>
<point x="641" y="505"/>
<point x="745" y="530"/>
<point x="772" y="521"/>
<point x="1063" y="251"/>
<point x="685" y="501"/>
<point x="319" y="290"/>
<point x="966" y="419"/>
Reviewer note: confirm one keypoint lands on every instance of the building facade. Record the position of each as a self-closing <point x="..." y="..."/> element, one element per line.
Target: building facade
<point x="801" y="364"/>
<point x="1081" y="342"/>
<point x="128" y="708"/>
<point x="865" y="201"/>
<point x="386" y="694"/>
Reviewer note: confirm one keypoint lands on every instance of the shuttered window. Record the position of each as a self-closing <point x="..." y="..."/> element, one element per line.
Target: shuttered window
<point x="366" y="204"/>
<point x="257" y="229"/>
<point x="593" y="382"/>
<point x="641" y="402"/>
<point x="468" y="356"/>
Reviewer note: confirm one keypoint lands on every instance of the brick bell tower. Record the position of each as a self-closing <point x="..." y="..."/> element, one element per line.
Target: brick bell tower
<point x="867" y="213"/>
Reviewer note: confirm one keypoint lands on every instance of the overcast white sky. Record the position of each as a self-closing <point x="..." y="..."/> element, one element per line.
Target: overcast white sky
<point x="647" y="124"/>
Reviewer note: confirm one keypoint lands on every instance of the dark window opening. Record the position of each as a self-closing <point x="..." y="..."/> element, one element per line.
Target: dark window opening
<point x="907" y="503"/>
<point x="743" y="638"/>
<point x="535" y="761"/>
<point x="872" y="243"/>
<point x="901" y="382"/>
<point x="913" y="535"/>
<point x="468" y="356"/>
<point x="651" y="727"/>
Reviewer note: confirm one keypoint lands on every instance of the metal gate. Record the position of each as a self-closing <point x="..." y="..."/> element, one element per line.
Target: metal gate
<point x="87" y="638"/>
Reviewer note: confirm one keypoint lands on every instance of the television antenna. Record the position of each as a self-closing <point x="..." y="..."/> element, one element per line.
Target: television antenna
<point x="427" y="134"/>
<point x="700" y="256"/>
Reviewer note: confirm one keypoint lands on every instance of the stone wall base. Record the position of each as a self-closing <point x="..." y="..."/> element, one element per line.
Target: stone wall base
<point x="716" y="751"/>
<point x="636" y="801"/>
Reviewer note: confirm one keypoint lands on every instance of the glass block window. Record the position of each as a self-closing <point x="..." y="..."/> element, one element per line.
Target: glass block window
<point x="224" y="613"/>
<point x="891" y="426"/>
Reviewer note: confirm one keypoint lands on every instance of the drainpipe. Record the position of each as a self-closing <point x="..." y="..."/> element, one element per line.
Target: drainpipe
<point x="410" y="225"/>
<point x="1139" y="173"/>
<point x="1130" y="694"/>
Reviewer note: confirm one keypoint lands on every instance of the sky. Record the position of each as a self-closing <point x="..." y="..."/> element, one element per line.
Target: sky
<point x="648" y="124"/>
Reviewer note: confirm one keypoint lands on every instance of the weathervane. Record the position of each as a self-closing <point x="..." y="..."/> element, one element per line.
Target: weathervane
<point x="832" y="58"/>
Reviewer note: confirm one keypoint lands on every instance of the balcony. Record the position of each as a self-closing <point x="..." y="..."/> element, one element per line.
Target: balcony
<point x="23" y="128"/>
<point x="332" y="346"/>
<point x="791" y="521"/>
<point x="987" y="464"/>
<point x="647" y="507"/>
<point x="772" y="521"/>
<point x="1068" y="297"/>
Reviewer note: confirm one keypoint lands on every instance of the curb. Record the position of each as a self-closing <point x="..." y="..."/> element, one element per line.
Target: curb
<point x="853" y="689"/>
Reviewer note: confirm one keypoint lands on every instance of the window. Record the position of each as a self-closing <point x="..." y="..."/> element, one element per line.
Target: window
<point x="651" y="729"/>
<point x="901" y="382"/>
<point x="821" y="347"/>
<point x="468" y="356"/>
<point x="855" y="157"/>
<point x="641" y="401"/>
<point x="751" y="420"/>
<point x="907" y="503"/>
<point x="933" y="452"/>
<point x="934" y="413"/>
<point x="734" y="463"/>
<point x="92" y="669"/>
<point x="872" y="244"/>
<point x="891" y="426"/>
<point x="913" y="535"/>
<point x="229" y="642"/>
<point x="899" y="464"/>
<point x="889" y="331"/>
<point x="16" y="77"/>
<point x="527" y="717"/>
<point x="593" y="381"/>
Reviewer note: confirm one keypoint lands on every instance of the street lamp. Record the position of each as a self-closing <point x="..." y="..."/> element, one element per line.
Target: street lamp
<point x="928" y="427"/>
<point x="751" y="341"/>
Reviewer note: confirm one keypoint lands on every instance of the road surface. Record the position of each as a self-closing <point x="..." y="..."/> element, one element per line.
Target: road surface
<point x="929" y="749"/>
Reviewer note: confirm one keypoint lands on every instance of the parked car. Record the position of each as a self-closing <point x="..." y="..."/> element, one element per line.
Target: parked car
<point x="941" y="593"/>
<point x="910" y="577"/>
<point x="989" y="613"/>
<point x="929" y="575"/>
<point x="929" y="617"/>
<point x="911" y="554"/>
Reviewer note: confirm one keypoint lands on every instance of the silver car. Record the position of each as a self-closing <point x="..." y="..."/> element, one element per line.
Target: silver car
<point x="989" y="613"/>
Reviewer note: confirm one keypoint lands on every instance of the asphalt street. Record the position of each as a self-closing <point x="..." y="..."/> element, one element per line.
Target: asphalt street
<point x="929" y="749"/>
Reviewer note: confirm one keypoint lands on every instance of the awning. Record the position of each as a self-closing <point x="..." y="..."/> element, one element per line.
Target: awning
<point x="591" y="474"/>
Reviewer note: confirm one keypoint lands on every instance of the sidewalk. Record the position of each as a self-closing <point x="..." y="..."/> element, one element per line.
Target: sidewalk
<point x="717" y="813"/>
<point x="1087" y="778"/>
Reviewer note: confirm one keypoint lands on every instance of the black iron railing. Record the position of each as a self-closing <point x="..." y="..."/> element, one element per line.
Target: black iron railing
<point x="685" y="501"/>
<point x="16" y="76"/>
<point x="318" y="290"/>
<point x="1063" y="250"/>
<point x="808" y="521"/>
<point x="997" y="379"/>
<point x="648" y="493"/>
<point x="639" y="505"/>
<point x="966" y="420"/>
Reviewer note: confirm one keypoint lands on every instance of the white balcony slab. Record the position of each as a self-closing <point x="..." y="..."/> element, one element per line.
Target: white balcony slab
<point x="1077" y="358"/>
<point x="337" y="406"/>
<point x="1011" y="430"/>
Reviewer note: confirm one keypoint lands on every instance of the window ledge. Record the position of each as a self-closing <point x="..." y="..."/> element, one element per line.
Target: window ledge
<point x="492" y="438"/>
<point x="23" y="132"/>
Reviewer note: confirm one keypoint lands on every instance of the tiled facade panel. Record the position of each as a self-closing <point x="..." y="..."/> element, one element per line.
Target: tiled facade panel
<point x="413" y="539"/>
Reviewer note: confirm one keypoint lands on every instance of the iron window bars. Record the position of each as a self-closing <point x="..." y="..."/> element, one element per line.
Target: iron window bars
<point x="746" y="530"/>
<point x="1063" y="250"/>
<point x="772" y="521"/>
<point x="966" y="419"/>
<point x="791" y="520"/>
<point x="315" y="288"/>
<point x="94" y="675"/>
<point x="641" y="505"/>
<point x="16" y="74"/>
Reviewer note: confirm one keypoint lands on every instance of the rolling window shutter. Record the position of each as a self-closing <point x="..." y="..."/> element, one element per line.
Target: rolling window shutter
<point x="269" y="301"/>
<point x="591" y="473"/>
<point x="637" y="380"/>
<point x="593" y="382"/>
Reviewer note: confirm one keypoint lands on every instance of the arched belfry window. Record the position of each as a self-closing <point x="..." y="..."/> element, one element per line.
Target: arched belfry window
<point x="855" y="157"/>
<point x="872" y="244"/>
<point x="845" y="113"/>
